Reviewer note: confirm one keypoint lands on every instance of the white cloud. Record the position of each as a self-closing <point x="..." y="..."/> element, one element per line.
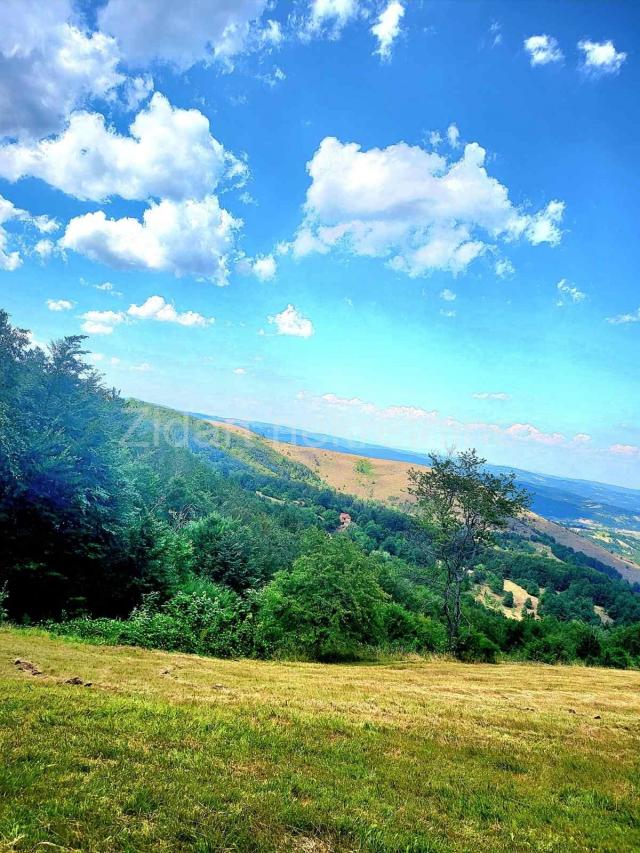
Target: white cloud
<point x="11" y="260"/>
<point x="59" y="304"/>
<point x="543" y="50"/>
<point x="169" y="153"/>
<point x="184" y="238"/>
<point x="157" y="308"/>
<point x="387" y="27"/>
<point x="490" y="395"/>
<point x="624" y="450"/>
<point x="504" y="268"/>
<point x="271" y="33"/>
<point x="264" y="267"/>
<point x="44" y="248"/>
<point x="621" y="319"/>
<point x="331" y="13"/>
<point x="182" y="34"/>
<point x="601" y="57"/>
<point x="154" y="308"/>
<point x="453" y="136"/>
<point x="145" y="367"/>
<point x="568" y="294"/>
<point x="239" y="371"/>
<point x="581" y="438"/>
<point x="102" y="322"/>
<point x="447" y="312"/>
<point x="415" y="208"/>
<point x="48" y="66"/>
<point x="447" y="295"/>
<point x="291" y="322"/>
<point x="435" y="420"/>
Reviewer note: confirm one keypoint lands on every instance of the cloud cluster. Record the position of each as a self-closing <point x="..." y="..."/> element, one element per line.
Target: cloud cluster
<point x="435" y="421"/>
<point x="11" y="259"/>
<point x="413" y="207"/>
<point x="154" y="308"/>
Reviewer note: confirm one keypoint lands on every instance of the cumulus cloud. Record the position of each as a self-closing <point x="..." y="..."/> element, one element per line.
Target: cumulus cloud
<point x="453" y="136"/>
<point x="157" y="308"/>
<point x="624" y="450"/>
<point x="264" y="267"/>
<point x="621" y="319"/>
<point x="447" y="295"/>
<point x="102" y="322"/>
<point x="182" y="34"/>
<point x="169" y="153"/>
<point x="60" y="304"/>
<point x="184" y="238"/>
<point x="491" y="395"/>
<point x="387" y="28"/>
<point x="543" y="50"/>
<point x="291" y="322"/>
<point x="568" y="294"/>
<point x="415" y="208"/>
<point x="239" y="371"/>
<point x="154" y="308"/>
<point x="48" y="66"/>
<point x="600" y="57"/>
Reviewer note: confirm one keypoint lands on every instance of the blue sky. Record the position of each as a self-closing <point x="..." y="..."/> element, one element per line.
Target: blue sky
<point x="403" y="222"/>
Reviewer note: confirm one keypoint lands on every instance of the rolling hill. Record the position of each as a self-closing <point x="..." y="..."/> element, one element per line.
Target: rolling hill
<point x="334" y="462"/>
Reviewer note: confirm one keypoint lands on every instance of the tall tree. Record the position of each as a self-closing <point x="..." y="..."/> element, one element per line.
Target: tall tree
<point x="462" y="504"/>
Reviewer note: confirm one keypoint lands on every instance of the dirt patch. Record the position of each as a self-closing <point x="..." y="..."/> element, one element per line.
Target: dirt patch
<point x="27" y="666"/>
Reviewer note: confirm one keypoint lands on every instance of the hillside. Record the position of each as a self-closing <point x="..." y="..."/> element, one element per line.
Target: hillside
<point x="167" y="752"/>
<point x="387" y="479"/>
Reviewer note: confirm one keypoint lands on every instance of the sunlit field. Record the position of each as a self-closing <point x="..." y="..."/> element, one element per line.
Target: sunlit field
<point x="173" y="752"/>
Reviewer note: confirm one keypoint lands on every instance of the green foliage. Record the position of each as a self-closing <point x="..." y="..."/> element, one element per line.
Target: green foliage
<point x="507" y="599"/>
<point x="364" y="467"/>
<point x="328" y="607"/>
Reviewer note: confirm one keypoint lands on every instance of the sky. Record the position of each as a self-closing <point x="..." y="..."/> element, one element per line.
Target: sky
<point x="402" y="222"/>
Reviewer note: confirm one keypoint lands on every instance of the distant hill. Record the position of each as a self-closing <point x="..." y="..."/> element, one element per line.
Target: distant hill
<point x="360" y="469"/>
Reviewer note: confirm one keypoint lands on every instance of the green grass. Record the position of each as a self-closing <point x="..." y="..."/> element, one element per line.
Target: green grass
<point x="176" y="752"/>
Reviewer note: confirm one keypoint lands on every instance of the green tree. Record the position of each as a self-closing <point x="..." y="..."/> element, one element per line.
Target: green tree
<point x="328" y="606"/>
<point x="462" y="504"/>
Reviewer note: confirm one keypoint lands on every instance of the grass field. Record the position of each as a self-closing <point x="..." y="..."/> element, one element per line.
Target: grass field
<point x="173" y="752"/>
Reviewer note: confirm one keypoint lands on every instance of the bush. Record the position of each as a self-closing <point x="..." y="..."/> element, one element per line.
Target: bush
<point x="327" y="607"/>
<point x="507" y="599"/>
<point x="405" y="631"/>
<point x="476" y="646"/>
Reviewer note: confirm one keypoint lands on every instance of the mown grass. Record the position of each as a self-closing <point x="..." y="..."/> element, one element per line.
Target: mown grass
<point x="175" y="752"/>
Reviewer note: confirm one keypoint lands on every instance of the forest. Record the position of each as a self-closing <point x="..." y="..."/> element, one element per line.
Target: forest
<point x="128" y="523"/>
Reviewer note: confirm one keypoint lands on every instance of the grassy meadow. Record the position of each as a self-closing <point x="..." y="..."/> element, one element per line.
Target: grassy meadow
<point x="177" y="752"/>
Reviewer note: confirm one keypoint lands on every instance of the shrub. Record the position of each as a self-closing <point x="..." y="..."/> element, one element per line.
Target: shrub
<point x="328" y="606"/>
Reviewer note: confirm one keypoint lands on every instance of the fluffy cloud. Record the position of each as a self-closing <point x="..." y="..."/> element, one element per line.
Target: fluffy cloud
<point x="568" y="294"/>
<point x="447" y="295"/>
<point x="184" y="238"/>
<point x="154" y="308"/>
<point x="387" y="28"/>
<point x="413" y="207"/>
<point x="625" y="450"/>
<point x="453" y="136"/>
<point x="491" y="395"/>
<point x="264" y="267"/>
<point x="601" y="57"/>
<point x="621" y="319"/>
<point x="157" y="308"/>
<point x="543" y="49"/>
<point x="102" y="322"/>
<point x="169" y="153"/>
<point x="504" y="268"/>
<point x="59" y="304"/>
<point x="291" y="322"/>
<point x="180" y="33"/>
<point x="48" y="66"/>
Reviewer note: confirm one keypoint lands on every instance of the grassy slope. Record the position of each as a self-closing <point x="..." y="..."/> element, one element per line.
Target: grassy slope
<point x="172" y="752"/>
